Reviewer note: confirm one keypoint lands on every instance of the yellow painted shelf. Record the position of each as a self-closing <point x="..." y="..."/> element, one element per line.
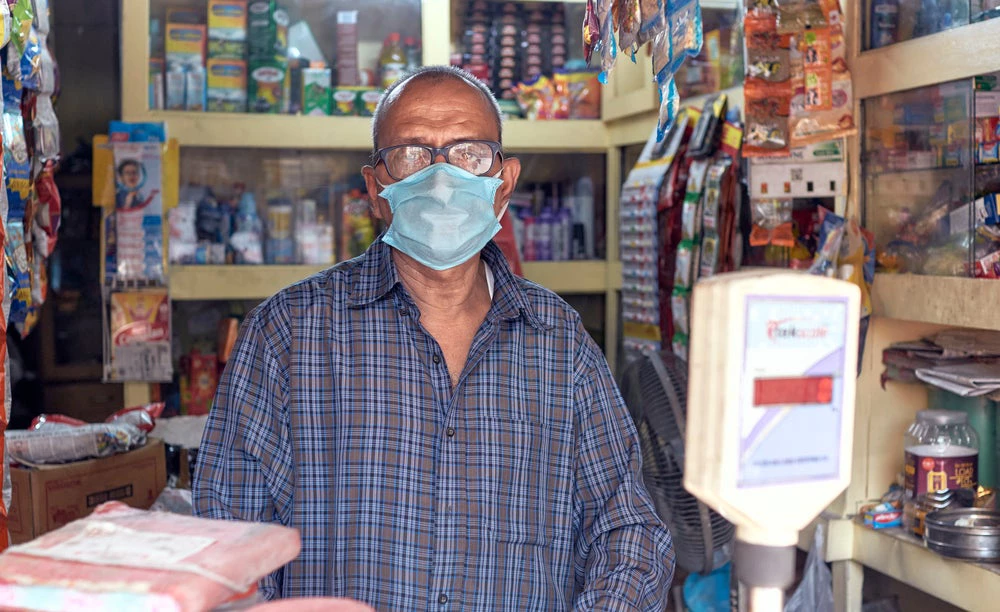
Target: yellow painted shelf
<point x="258" y="282"/>
<point x="246" y="130"/>
<point x="951" y="301"/>
<point x="959" y="53"/>
<point x="895" y="553"/>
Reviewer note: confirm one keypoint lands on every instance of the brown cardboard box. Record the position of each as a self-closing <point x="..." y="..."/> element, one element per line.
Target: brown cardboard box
<point x="46" y="498"/>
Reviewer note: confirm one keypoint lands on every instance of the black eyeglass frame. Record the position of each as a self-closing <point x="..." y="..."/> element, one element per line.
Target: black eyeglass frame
<point x="444" y="151"/>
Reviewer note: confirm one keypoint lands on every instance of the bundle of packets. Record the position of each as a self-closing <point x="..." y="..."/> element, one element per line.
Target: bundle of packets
<point x="120" y="558"/>
<point x="847" y="251"/>
<point x="797" y="87"/>
<point x="674" y="30"/>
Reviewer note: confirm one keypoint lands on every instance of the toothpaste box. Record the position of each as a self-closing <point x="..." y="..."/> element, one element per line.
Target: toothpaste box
<point x="266" y="81"/>
<point x="227" y="29"/>
<point x="316" y="92"/>
<point x="185" y="45"/>
<point x="267" y="31"/>
<point x="227" y="85"/>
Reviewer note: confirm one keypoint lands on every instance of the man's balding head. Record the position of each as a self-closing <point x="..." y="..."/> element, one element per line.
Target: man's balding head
<point x="431" y="75"/>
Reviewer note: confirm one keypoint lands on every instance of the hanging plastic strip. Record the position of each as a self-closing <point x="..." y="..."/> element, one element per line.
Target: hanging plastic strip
<point x="674" y="29"/>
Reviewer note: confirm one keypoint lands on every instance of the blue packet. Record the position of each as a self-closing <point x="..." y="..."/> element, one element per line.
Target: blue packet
<point x="31" y="62"/>
<point x="123" y="131"/>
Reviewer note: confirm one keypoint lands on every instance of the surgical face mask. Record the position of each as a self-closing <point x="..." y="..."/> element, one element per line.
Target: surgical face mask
<point x="442" y="216"/>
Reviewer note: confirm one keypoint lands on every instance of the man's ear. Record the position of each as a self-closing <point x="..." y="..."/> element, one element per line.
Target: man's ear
<point x="379" y="207"/>
<point x="511" y="171"/>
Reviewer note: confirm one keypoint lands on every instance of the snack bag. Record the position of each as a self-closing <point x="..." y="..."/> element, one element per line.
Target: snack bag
<point x="21" y="16"/>
<point x="140" y="336"/>
<point x="584" y="91"/>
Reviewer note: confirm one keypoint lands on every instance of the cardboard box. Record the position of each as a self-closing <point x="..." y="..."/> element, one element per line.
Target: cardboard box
<point x="316" y="92"/>
<point x="227" y="85"/>
<point x="267" y="31"/>
<point x="185" y="45"/>
<point x="266" y="90"/>
<point x="46" y="498"/>
<point x="227" y="29"/>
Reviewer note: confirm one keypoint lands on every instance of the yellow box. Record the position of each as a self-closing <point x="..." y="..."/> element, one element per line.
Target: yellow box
<point x="185" y="45"/>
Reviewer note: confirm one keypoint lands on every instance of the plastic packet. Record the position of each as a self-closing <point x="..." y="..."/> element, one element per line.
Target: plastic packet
<point x="681" y="39"/>
<point x="42" y="16"/>
<point x="680" y="302"/>
<point x="687" y="262"/>
<point x="536" y="98"/>
<point x="691" y="217"/>
<point x="629" y="21"/>
<point x="583" y="90"/>
<point x="808" y="127"/>
<point x="831" y="234"/>
<point x="772" y="223"/>
<point x="21" y="17"/>
<point x="608" y="45"/>
<point x="30" y="63"/>
<point x="794" y="16"/>
<point x="5" y="24"/>
<point x="679" y="344"/>
<point x="817" y="73"/>
<point x="652" y="20"/>
<point x="19" y="271"/>
<point x="64" y="444"/>
<point x="591" y="30"/>
<point x="46" y="127"/>
<point x="175" y="501"/>
<point x="767" y="110"/>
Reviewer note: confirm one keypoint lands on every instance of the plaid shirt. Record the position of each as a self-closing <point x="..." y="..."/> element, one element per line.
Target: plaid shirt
<point x="518" y="489"/>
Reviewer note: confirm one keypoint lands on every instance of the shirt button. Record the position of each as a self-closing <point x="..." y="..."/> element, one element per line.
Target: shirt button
<point x="404" y="312"/>
<point x="442" y="599"/>
<point x="436" y="358"/>
<point x="450" y="431"/>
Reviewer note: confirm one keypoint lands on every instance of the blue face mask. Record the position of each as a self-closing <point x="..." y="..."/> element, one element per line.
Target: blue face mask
<point x="442" y="216"/>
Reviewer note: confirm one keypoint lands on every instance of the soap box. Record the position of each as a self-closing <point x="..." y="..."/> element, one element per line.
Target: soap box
<point x="266" y="81"/>
<point x="185" y="45"/>
<point x="316" y="94"/>
<point x="227" y="29"/>
<point x="227" y="85"/>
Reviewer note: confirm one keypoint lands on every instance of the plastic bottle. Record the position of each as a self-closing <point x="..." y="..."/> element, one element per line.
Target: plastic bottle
<point x="583" y="213"/>
<point x="546" y="221"/>
<point x="530" y="252"/>
<point x="413" y="60"/>
<point x="566" y="221"/>
<point x="392" y="62"/>
<point x="247" y="238"/>
<point x="306" y="238"/>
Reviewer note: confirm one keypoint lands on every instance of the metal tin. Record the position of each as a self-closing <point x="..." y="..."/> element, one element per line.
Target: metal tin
<point x="964" y="533"/>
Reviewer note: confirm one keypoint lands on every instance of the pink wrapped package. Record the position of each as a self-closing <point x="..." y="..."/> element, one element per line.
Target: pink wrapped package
<point x="120" y="558"/>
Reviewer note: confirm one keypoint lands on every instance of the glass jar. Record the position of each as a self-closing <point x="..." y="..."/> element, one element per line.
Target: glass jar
<point x="942" y="452"/>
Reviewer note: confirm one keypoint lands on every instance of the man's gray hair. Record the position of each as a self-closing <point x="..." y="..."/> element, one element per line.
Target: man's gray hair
<point x="434" y="73"/>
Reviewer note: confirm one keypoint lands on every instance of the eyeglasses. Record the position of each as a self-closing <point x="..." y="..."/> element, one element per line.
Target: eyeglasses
<point x="473" y="156"/>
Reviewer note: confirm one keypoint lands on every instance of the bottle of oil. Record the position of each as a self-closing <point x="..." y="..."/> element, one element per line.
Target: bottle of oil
<point x="392" y="62"/>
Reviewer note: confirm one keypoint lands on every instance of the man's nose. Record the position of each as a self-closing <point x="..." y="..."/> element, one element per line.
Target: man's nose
<point x="440" y="158"/>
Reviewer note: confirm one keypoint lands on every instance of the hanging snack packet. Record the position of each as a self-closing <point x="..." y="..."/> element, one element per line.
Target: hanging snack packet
<point x="681" y="39"/>
<point x="42" y="16"/>
<point x="629" y="20"/>
<point x="768" y="106"/>
<point x="21" y="17"/>
<point x="591" y="30"/>
<point x="140" y="336"/>
<point x="652" y="20"/>
<point x="19" y="271"/>
<point x="817" y="73"/>
<point x="48" y="212"/>
<point x="680" y="302"/>
<point x="608" y="44"/>
<point x="16" y="163"/>
<point x="794" y="16"/>
<point x="30" y="64"/>
<point x="5" y="24"/>
<point x="809" y="127"/>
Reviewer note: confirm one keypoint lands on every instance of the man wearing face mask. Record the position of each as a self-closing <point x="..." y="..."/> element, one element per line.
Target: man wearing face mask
<point x="444" y="434"/>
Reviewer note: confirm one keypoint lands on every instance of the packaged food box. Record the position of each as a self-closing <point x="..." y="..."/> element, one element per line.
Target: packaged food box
<point x="344" y="101"/>
<point x="195" y="89"/>
<point x="348" y="73"/>
<point x="266" y="87"/>
<point x="367" y="101"/>
<point x="316" y="93"/>
<point x="48" y="497"/>
<point x="267" y="31"/>
<point x="227" y="86"/>
<point x="185" y="14"/>
<point x="227" y="29"/>
<point x="185" y="45"/>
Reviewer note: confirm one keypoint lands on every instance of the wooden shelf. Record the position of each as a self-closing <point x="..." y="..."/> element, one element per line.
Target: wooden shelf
<point x="258" y="282"/>
<point x="959" y="53"/>
<point x="246" y="130"/>
<point x="896" y="553"/>
<point x="944" y="300"/>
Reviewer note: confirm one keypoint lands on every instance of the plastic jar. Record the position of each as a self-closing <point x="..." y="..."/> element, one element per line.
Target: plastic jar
<point x="942" y="452"/>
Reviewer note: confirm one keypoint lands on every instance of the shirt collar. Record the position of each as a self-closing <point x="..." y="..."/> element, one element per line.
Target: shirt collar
<point x="374" y="276"/>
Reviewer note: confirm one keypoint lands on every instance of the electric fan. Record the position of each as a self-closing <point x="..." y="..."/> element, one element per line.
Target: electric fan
<point x="655" y="391"/>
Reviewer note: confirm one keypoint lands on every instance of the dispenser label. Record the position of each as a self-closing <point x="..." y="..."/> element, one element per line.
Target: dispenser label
<point x="792" y="390"/>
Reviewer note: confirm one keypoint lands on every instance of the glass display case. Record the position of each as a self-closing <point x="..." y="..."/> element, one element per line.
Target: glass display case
<point x="285" y="207"/>
<point x="311" y="57"/>
<point x="931" y="172"/>
<point x="891" y="21"/>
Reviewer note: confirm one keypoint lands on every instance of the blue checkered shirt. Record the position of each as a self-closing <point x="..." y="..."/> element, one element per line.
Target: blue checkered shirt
<point x="517" y="489"/>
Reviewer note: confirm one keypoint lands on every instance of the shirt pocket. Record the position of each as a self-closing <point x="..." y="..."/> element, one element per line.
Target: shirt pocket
<point x="512" y="479"/>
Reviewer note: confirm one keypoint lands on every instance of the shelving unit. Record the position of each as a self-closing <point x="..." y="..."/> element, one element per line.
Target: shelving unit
<point x="259" y="282"/>
<point x="907" y="307"/>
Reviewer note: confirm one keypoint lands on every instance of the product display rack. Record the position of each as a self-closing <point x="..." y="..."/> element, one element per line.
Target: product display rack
<point x="906" y="307"/>
<point x="630" y="98"/>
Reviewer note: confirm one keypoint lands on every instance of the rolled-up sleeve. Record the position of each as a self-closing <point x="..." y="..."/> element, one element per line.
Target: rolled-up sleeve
<point x="624" y="553"/>
<point x="244" y="461"/>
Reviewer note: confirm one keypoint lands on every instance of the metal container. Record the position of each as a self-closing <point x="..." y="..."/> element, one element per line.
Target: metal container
<point x="964" y="533"/>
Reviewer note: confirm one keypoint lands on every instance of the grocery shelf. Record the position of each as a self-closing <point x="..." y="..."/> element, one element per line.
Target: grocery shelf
<point x="943" y="300"/>
<point x="959" y="53"/>
<point x="247" y="130"/>
<point x="259" y="282"/>
<point x="899" y="555"/>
